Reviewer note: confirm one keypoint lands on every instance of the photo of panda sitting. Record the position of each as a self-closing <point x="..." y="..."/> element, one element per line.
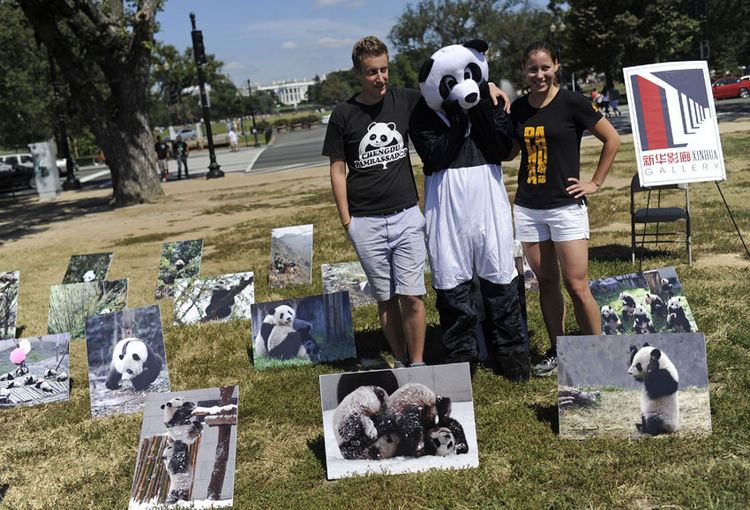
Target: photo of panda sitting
<point x="281" y="338"/>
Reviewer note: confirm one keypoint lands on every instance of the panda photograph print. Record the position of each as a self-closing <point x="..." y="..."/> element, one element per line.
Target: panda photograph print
<point x="179" y="259"/>
<point x="398" y="421"/>
<point x="71" y="303"/>
<point x="633" y="386"/>
<point x="126" y="360"/>
<point x="301" y="331"/>
<point x="88" y="268"/>
<point x="8" y="303"/>
<point x="291" y="256"/>
<point x="215" y="299"/>
<point x="187" y="450"/>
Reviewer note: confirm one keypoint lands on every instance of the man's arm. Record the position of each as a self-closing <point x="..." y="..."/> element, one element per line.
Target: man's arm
<point x="338" y="183"/>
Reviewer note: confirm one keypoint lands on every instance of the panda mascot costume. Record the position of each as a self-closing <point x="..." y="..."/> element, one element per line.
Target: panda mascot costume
<point x="462" y="138"/>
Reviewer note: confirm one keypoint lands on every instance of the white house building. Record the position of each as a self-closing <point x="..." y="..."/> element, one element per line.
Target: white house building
<point x="290" y="93"/>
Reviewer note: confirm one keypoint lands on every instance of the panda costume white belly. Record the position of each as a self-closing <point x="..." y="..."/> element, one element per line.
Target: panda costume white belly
<point x="462" y="139"/>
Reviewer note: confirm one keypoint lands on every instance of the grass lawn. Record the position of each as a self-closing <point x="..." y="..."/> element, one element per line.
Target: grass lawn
<point x="55" y="456"/>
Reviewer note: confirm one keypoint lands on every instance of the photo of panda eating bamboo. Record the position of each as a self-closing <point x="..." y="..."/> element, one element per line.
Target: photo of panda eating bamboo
<point x="398" y="420"/>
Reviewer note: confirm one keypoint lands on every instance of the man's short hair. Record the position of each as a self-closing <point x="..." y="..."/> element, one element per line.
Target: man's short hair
<point x="367" y="46"/>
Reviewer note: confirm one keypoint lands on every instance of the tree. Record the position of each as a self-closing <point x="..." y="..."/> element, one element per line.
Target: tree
<point x="103" y="52"/>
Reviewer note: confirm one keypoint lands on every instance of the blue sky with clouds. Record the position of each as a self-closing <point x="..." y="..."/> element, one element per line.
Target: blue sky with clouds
<point x="277" y="40"/>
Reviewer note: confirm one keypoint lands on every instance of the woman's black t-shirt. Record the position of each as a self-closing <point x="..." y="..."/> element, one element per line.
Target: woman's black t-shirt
<point x="550" y="139"/>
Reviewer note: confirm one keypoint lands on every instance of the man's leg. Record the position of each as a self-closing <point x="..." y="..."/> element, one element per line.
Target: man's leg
<point x="414" y="322"/>
<point x="179" y="167"/>
<point x="391" y="323"/>
<point x="184" y="162"/>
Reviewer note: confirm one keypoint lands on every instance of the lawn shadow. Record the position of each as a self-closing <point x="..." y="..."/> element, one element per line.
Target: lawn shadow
<point x="3" y="489"/>
<point x="318" y="448"/>
<point x="547" y="414"/>
<point x="623" y="253"/>
<point x="25" y="216"/>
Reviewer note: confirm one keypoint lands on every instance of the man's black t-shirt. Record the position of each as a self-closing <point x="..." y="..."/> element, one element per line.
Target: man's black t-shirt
<point x="161" y="150"/>
<point x="373" y="140"/>
<point x="179" y="149"/>
<point x="550" y="139"/>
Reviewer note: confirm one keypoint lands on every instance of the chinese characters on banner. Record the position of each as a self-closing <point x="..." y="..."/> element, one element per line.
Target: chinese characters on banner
<point x="675" y="132"/>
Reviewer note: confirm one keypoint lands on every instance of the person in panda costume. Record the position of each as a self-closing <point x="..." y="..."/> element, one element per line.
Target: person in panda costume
<point x="660" y="408"/>
<point x="462" y="138"/>
<point x="133" y="360"/>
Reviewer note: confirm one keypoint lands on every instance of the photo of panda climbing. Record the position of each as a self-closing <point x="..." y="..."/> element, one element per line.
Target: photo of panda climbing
<point x="34" y="370"/>
<point x="71" y="303"/>
<point x="652" y="302"/>
<point x="633" y="386"/>
<point x="187" y="450"/>
<point x="179" y="259"/>
<point x="398" y="421"/>
<point x="126" y="360"/>
<point x="8" y="303"/>
<point x="88" y="268"/>
<point x="291" y="256"/>
<point x="300" y="331"/>
<point x="219" y="298"/>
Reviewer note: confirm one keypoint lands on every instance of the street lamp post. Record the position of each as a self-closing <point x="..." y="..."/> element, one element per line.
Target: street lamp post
<point x="252" y="111"/>
<point x="200" y="58"/>
<point x="70" y="179"/>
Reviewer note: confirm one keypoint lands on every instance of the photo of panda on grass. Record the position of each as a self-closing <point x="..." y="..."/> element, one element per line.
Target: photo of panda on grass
<point x="187" y="450"/>
<point x="126" y="360"/>
<point x="71" y="303"/>
<point x="398" y="421"/>
<point x="313" y="329"/>
<point x="291" y="256"/>
<point x="88" y="268"/>
<point x="633" y="386"/>
<point x="34" y="370"/>
<point x="652" y="302"/>
<point x="8" y="303"/>
<point x="215" y="299"/>
<point x="179" y="259"/>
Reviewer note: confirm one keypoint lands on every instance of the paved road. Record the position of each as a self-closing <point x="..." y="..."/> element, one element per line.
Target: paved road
<point x="299" y="149"/>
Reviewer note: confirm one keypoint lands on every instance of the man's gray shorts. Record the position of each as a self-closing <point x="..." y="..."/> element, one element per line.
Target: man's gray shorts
<point x="392" y="252"/>
<point x="162" y="164"/>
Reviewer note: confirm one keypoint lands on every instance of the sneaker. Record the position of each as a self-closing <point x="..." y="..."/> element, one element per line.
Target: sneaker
<point x="548" y="366"/>
<point x="400" y="364"/>
<point x="163" y="179"/>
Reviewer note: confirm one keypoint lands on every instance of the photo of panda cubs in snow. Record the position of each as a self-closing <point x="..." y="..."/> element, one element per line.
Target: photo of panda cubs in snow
<point x="179" y="259"/>
<point x="396" y="421"/>
<point x="305" y="330"/>
<point x="652" y="302"/>
<point x="633" y="386"/>
<point x="216" y="299"/>
<point x="126" y="359"/>
<point x="34" y="370"/>
<point x="187" y="450"/>
<point x="291" y="256"/>
<point x="88" y="268"/>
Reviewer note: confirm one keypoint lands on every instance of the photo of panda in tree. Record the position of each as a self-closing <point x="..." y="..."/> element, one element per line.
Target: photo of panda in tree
<point x="398" y="421"/>
<point x="313" y="329"/>
<point x="652" y="302"/>
<point x="179" y="259"/>
<point x="216" y="299"/>
<point x="88" y="268"/>
<point x="8" y="303"/>
<point x="633" y="386"/>
<point x="126" y="360"/>
<point x="350" y="277"/>
<point x="71" y="303"/>
<point x="291" y="256"/>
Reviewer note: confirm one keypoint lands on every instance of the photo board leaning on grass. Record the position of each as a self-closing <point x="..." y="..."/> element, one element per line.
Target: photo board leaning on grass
<point x="126" y="360"/>
<point x="71" y="303"/>
<point x="215" y="299"/>
<point x="8" y="303"/>
<point x="88" y="268"/>
<point x="301" y="331"/>
<point x="651" y="302"/>
<point x="350" y="277"/>
<point x="179" y="259"/>
<point x="187" y="450"/>
<point x="606" y="389"/>
<point x="291" y="256"/>
<point x="39" y="376"/>
<point x="398" y="421"/>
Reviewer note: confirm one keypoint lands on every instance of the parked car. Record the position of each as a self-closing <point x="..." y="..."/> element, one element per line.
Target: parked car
<point x="16" y="176"/>
<point x="62" y="166"/>
<point x="730" y="86"/>
<point x="187" y="134"/>
<point x="18" y="158"/>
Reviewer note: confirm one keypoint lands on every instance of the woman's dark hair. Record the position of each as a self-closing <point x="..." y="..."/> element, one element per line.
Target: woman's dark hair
<point x="538" y="46"/>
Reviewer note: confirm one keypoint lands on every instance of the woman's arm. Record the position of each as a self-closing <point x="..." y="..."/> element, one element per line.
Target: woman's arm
<point x="605" y="132"/>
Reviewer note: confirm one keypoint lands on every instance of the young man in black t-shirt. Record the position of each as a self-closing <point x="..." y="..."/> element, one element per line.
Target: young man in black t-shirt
<point x="180" y="152"/>
<point x="162" y="154"/>
<point x="377" y="199"/>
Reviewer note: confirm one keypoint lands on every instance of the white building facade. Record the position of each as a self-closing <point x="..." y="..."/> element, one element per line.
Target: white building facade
<point x="290" y="93"/>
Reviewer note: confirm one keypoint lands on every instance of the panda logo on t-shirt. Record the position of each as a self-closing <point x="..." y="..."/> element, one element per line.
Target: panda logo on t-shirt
<point x="381" y="144"/>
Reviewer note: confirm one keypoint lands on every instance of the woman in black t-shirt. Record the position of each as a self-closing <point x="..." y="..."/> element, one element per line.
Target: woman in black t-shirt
<point x="550" y="205"/>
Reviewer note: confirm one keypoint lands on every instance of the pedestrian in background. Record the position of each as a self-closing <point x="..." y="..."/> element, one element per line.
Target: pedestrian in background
<point x="162" y="156"/>
<point x="180" y="152"/>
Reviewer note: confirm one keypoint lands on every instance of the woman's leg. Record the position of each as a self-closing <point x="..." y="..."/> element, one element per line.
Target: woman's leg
<point x="542" y="258"/>
<point x="574" y="264"/>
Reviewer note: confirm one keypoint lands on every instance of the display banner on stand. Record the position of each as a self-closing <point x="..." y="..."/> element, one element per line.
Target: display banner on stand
<point x="675" y="132"/>
<point x="45" y="169"/>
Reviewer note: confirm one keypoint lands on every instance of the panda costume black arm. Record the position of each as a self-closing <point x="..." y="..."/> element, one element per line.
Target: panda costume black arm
<point x="435" y="142"/>
<point x="491" y="128"/>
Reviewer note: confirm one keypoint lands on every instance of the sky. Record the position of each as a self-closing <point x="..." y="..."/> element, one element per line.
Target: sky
<point x="278" y="40"/>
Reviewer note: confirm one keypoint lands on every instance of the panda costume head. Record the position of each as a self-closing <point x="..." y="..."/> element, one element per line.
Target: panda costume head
<point x="454" y="73"/>
<point x="660" y="410"/>
<point x="133" y="360"/>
